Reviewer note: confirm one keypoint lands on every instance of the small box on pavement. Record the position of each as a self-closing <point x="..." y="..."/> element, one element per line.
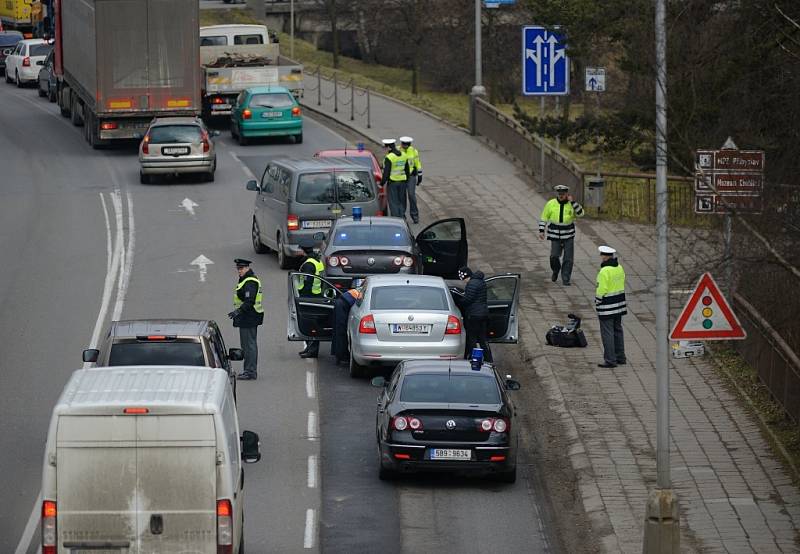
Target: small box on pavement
<point x="687" y="349"/>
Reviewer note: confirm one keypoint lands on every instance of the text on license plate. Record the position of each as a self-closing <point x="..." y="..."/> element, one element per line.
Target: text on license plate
<point x="450" y="454"/>
<point x="411" y="328"/>
<point x="220" y="107"/>
<point x="175" y="150"/>
<point x="272" y="114"/>
<point x="316" y="224"/>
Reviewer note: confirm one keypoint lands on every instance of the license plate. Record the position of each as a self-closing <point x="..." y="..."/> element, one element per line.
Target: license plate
<point x="411" y="328"/>
<point x="220" y="107"/>
<point x="317" y="224"/>
<point x="175" y="150"/>
<point x="450" y="454"/>
<point x="272" y="114"/>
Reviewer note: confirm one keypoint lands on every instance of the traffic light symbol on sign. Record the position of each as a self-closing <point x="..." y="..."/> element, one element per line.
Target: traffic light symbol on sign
<point x="707" y="312"/>
<point x="707" y="315"/>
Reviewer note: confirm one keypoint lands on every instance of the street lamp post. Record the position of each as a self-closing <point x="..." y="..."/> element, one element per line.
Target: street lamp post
<point x="291" y="29"/>
<point x="478" y="89"/>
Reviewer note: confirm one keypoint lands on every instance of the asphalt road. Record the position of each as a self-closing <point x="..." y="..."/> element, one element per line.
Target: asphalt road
<point x="82" y="242"/>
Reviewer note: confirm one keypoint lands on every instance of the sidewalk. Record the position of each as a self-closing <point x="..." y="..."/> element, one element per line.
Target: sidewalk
<point x="733" y="494"/>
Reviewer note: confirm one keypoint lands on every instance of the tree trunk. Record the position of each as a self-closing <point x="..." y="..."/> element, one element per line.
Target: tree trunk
<point x="363" y="39"/>
<point x="333" y="16"/>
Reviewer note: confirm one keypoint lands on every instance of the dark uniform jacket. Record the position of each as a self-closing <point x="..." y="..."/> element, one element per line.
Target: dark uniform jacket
<point x="248" y="317"/>
<point x="474" y="302"/>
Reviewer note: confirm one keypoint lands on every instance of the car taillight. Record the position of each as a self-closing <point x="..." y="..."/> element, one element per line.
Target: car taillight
<point x="206" y="145"/>
<point x="296" y="112"/>
<point x="379" y="213"/>
<point x="224" y="527"/>
<point x="377" y="177"/>
<point x="49" y="527"/>
<point x="344" y="260"/>
<point x="333" y="261"/>
<point x="218" y="100"/>
<point x="247" y="114"/>
<point x="408" y="261"/>
<point x="398" y="260"/>
<point x="399" y="423"/>
<point x="292" y="222"/>
<point x="498" y="425"/>
<point x="146" y="144"/>
<point x="367" y="325"/>
<point x="26" y="62"/>
<point x="108" y="125"/>
<point x="453" y="326"/>
<point x="415" y="424"/>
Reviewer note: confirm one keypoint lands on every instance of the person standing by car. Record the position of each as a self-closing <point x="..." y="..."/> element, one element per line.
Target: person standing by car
<point x="415" y="179"/>
<point x="395" y="175"/>
<point x="475" y="310"/>
<point x="310" y="287"/>
<point x="247" y="315"/>
<point x="558" y="218"/>
<point x="341" y="311"/>
<point x="611" y="306"/>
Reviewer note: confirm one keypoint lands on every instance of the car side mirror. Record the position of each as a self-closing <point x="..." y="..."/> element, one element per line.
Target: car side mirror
<point x="511" y="384"/>
<point x="379" y="381"/>
<point x="235" y="354"/>
<point x="250" y="447"/>
<point x="252" y="185"/>
<point x="91" y="355"/>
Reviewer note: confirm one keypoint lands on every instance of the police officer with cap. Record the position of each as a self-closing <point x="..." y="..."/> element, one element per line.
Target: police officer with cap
<point x="310" y="287"/>
<point x="395" y="176"/>
<point x="415" y="179"/>
<point x="558" y="219"/>
<point x="611" y="306"/>
<point x="247" y="315"/>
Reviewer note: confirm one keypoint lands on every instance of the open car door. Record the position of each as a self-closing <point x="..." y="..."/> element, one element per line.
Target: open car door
<point x="310" y="317"/>
<point x="502" y="297"/>
<point x="443" y="248"/>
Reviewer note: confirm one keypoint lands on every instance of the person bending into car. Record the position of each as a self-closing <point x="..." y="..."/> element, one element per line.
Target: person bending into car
<point x="475" y="311"/>
<point x="341" y="311"/>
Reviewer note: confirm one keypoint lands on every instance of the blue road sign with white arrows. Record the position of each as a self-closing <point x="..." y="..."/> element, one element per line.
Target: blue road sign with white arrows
<point x="545" y="65"/>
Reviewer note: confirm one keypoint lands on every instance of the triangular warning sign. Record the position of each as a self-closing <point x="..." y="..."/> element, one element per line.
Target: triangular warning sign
<point x="707" y="315"/>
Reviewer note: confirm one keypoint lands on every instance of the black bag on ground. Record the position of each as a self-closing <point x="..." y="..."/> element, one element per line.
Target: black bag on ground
<point x="567" y="336"/>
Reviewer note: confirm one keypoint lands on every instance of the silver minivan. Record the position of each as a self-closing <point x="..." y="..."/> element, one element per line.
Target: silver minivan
<point x="145" y="459"/>
<point x="298" y="200"/>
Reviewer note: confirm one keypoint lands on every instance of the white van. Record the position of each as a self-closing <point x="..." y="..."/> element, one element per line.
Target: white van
<point x="145" y="459"/>
<point x="230" y="35"/>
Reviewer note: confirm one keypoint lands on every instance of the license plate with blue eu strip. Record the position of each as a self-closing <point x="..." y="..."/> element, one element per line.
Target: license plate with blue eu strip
<point x="450" y="454"/>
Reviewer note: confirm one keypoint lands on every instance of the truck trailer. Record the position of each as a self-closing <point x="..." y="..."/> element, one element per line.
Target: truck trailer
<point x="120" y="63"/>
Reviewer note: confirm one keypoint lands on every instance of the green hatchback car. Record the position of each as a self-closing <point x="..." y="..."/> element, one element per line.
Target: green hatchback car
<point x="266" y="112"/>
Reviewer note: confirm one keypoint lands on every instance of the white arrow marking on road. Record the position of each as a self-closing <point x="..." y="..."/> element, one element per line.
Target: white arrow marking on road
<point x="201" y="262"/>
<point x="189" y="205"/>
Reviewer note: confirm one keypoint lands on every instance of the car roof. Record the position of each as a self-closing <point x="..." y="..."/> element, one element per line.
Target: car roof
<point x="460" y="367"/>
<point x="175" y="120"/>
<point x="144" y="327"/>
<point x="34" y="41"/>
<point x="406" y="279"/>
<point x="319" y="164"/>
<point x="228" y="26"/>
<point x="266" y="89"/>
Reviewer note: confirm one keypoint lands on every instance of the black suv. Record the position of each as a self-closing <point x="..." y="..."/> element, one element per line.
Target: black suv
<point x="165" y="342"/>
<point x="8" y="41"/>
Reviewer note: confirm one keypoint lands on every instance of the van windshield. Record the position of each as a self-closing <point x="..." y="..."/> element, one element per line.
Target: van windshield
<point x="341" y="186"/>
<point x="157" y="353"/>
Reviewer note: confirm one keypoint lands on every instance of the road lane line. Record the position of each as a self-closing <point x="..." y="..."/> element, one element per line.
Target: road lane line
<point x="312" y="472"/>
<point x="312" y="426"/>
<point x="30" y="528"/>
<point x="308" y="538"/>
<point x="246" y="169"/>
<point x="119" y="208"/>
<point x="108" y="232"/>
<point x="310" y="389"/>
<point x="125" y="273"/>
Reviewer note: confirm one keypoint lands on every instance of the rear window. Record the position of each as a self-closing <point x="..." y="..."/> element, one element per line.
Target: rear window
<point x="272" y="100"/>
<point x="405" y="297"/>
<point x="220" y="40"/>
<point x="40" y="49"/>
<point x="342" y="186"/>
<point x="9" y="39"/>
<point x="450" y="389"/>
<point x="248" y="39"/>
<point x="157" y="353"/>
<point x="164" y="134"/>
<point x="376" y="235"/>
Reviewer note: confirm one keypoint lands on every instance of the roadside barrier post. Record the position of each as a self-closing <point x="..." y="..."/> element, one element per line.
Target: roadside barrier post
<point x="336" y="92"/>
<point x="352" y="103"/>
<point x="319" y="87"/>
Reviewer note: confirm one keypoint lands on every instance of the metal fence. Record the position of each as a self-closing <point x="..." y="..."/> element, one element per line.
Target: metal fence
<point x="345" y="95"/>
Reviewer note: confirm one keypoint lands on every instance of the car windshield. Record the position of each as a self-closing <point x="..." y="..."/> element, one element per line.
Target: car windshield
<point x="351" y="186"/>
<point x="271" y="100"/>
<point x="157" y="353"/>
<point x="453" y="388"/>
<point x="163" y="134"/>
<point x="40" y="49"/>
<point x="404" y="297"/>
<point x="374" y="235"/>
<point x="9" y="39"/>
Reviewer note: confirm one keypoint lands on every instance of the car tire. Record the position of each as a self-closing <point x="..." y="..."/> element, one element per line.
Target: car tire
<point x="298" y="139"/>
<point x="16" y="79"/>
<point x="144" y="178"/>
<point x="241" y="139"/>
<point x="255" y="233"/>
<point x="51" y="93"/>
<point x="8" y="79"/>
<point x="384" y="473"/>
<point x="357" y="371"/>
<point x="42" y="93"/>
<point x="284" y="261"/>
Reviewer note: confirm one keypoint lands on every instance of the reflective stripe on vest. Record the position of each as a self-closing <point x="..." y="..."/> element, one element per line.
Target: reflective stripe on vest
<point x="316" y="285"/>
<point x="258" y="306"/>
<point x="610" y="295"/>
<point x="398" y="172"/>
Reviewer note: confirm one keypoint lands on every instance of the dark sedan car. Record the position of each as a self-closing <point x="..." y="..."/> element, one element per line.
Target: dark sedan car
<point x="355" y="249"/>
<point x="8" y="41"/>
<point x="47" y="78"/>
<point x="446" y="416"/>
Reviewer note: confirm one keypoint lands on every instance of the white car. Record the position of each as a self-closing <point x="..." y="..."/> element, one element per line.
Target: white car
<point x="24" y="63"/>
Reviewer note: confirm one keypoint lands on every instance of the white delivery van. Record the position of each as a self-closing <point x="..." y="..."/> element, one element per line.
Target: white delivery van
<point x="145" y="459"/>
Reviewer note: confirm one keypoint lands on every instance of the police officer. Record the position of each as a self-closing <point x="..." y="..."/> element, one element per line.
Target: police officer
<point x="475" y="309"/>
<point x="558" y="218"/>
<point x="395" y="175"/>
<point x="310" y="287"/>
<point x="415" y="179"/>
<point x="341" y="311"/>
<point x="247" y="315"/>
<point x="611" y="306"/>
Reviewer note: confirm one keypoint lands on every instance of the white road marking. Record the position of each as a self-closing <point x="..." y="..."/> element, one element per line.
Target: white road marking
<point x="127" y="260"/>
<point x="312" y="426"/>
<point x="246" y="169"/>
<point x="30" y="528"/>
<point x="201" y="262"/>
<point x="189" y="205"/>
<point x="310" y="389"/>
<point x="312" y="472"/>
<point x="119" y="209"/>
<point x="308" y="538"/>
<point x="108" y="233"/>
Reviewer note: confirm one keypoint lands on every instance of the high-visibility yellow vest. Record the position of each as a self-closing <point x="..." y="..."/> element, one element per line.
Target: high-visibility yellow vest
<point x="414" y="163"/>
<point x="398" y="172"/>
<point x="610" y="294"/>
<point x="316" y="285"/>
<point x="258" y="305"/>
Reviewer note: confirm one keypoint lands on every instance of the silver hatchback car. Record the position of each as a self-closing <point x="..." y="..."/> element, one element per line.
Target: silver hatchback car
<point x="175" y="145"/>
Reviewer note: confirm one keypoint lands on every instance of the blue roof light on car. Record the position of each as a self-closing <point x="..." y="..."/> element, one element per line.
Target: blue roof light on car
<point x="356" y="213"/>
<point x="360" y="146"/>
<point x="476" y="359"/>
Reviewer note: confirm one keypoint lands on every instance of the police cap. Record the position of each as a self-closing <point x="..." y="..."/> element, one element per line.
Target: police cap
<point x="606" y="250"/>
<point x="406" y="140"/>
<point x="561" y="188"/>
<point x="240" y="262"/>
<point x="389" y="142"/>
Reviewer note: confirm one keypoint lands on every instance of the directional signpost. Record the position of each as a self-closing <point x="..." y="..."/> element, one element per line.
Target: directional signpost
<point x="707" y="315"/>
<point x="498" y="3"/>
<point x="595" y="79"/>
<point x="728" y="179"/>
<point x="545" y="64"/>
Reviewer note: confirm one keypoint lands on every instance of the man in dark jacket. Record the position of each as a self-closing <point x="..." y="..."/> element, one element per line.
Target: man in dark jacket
<point x="341" y="312"/>
<point x="475" y="311"/>
<point x="247" y="315"/>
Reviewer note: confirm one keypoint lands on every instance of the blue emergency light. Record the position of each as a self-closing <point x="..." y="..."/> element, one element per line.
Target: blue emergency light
<point x="476" y="358"/>
<point x="356" y="213"/>
<point x="360" y="146"/>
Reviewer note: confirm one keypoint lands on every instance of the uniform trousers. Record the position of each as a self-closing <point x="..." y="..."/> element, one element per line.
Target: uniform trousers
<point x="613" y="340"/>
<point x="411" y="185"/>
<point x="397" y="198"/>
<point x="567" y="247"/>
<point x="249" y="342"/>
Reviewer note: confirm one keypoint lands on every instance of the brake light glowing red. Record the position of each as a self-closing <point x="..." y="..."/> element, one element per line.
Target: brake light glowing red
<point x="26" y="62"/>
<point x="218" y="100"/>
<point x="453" y="326"/>
<point x="247" y="114"/>
<point x="49" y="535"/>
<point x="135" y="411"/>
<point x="156" y="337"/>
<point x="146" y="144"/>
<point x="415" y="424"/>
<point x="224" y="527"/>
<point x="108" y="125"/>
<point x="296" y="112"/>
<point x="497" y="458"/>
<point x="402" y="456"/>
<point x="367" y="325"/>
<point x="292" y="222"/>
